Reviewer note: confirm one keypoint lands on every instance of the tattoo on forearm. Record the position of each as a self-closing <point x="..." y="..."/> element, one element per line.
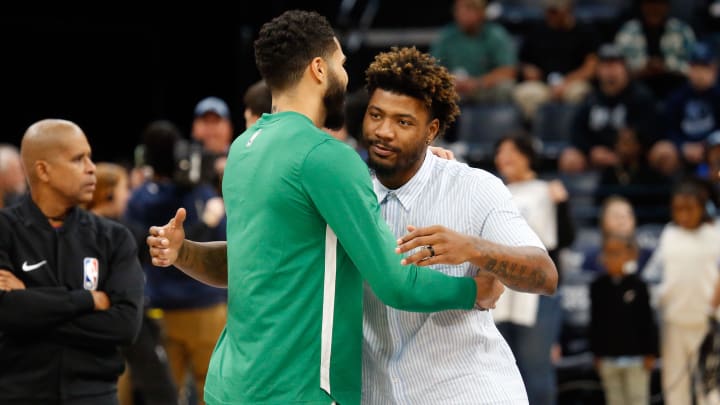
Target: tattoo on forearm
<point x="517" y="276"/>
<point x="199" y="259"/>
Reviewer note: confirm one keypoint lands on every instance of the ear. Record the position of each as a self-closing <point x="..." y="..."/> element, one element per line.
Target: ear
<point x="433" y="131"/>
<point x="318" y="69"/>
<point x="42" y="170"/>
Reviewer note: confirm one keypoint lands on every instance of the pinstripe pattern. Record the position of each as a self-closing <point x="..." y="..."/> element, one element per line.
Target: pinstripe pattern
<point x="451" y="357"/>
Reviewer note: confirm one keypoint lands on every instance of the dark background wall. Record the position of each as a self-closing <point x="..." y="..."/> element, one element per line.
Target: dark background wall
<point x="114" y="74"/>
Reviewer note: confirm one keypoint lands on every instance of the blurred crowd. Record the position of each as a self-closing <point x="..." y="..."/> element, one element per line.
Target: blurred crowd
<point x="642" y="128"/>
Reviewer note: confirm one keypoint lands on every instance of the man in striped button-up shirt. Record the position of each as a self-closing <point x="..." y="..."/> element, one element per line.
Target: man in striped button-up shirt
<point x="450" y="357"/>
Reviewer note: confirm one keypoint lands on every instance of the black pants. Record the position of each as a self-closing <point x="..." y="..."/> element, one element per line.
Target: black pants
<point x="149" y="370"/>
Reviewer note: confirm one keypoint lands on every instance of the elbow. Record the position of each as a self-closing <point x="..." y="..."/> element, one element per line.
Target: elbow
<point x="551" y="278"/>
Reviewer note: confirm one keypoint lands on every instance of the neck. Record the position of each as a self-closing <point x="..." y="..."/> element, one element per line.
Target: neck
<point x="53" y="207"/>
<point x="301" y="100"/>
<point x="524" y="176"/>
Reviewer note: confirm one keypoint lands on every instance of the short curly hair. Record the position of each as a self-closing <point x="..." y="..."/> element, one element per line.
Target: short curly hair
<point x="416" y="74"/>
<point x="287" y="43"/>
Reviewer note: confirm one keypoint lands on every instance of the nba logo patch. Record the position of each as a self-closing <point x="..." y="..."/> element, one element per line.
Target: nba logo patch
<point x="91" y="270"/>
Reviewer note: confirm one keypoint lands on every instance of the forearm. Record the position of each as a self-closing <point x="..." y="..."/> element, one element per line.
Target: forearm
<point x="498" y="75"/>
<point x="204" y="261"/>
<point x="41" y="308"/>
<point x="521" y="268"/>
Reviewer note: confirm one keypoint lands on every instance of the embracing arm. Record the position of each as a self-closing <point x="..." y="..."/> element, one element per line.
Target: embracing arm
<point x="521" y="268"/>
<point x="203" y="261"/>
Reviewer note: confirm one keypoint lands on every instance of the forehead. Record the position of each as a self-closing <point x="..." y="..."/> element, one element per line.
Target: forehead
<point x="397" y="104"/>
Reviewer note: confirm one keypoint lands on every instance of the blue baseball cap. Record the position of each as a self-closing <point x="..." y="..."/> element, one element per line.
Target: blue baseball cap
<point x="212" y="105"/>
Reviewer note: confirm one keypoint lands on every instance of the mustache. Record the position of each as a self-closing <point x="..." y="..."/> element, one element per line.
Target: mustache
<point x="376" y="142"/>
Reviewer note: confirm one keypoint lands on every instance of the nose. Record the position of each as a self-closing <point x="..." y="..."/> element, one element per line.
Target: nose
<point x="89" y="166"/>
<point x="384" y="130"/>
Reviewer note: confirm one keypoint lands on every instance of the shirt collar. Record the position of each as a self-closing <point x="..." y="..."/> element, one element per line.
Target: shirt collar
<point x="409" y="192"/>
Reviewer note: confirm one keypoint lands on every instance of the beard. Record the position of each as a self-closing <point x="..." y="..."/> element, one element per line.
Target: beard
<point x="404" y="160"/>
<point x="334" y="102"/>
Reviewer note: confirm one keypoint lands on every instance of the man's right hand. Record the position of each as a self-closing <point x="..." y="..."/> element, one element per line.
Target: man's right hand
<point x="166" y="241"/>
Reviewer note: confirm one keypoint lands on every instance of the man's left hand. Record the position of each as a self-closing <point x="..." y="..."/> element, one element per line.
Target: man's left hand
<point x="438" y="245"/>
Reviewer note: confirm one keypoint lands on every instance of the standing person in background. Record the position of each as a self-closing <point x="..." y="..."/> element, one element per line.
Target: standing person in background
<point x="530" y="322"/>
<point x="286" y="342"/>
<point x="147" y="372"/>
<point x="13" y="185"/>
<point x="71" y="286"/>
<point x="617" y="217"/>
<point x="479" y="53"/>
<point x="689" y="292"/>
<point x="623" y="333"/>
<point x="192" y="314"/>
<point x="258" y="101"/>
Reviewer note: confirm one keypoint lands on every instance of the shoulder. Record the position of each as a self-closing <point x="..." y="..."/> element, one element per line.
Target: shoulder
<point x="104" y="227"/>
<point x="464" y="174"/>
<point x="630" y="27"/>
<point x="497" y="31"/>
<point x="333" y="157"/>
<point x="675" y="24"/>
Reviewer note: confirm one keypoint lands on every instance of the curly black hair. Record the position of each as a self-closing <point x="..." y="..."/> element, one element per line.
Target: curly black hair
<point x="287" y="44"/>
<point x="416" y="74"/>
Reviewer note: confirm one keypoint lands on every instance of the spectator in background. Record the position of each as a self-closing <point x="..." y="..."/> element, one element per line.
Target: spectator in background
<point x="71" y="286"/>
<point x="623" y="332"/>
<point x="212" y="127"/>
<point x="193" y="313"/>
<point x="258" y="101"/>
<point x="480" y="54"/>
<point x="557" y="59"/>
<point x="656" y="46"/>
<point x="632" y="177"/>
<point x="617" y="217"/>
<point x="693" y="111"/>
<point x="710" y="170"/>
<point x="147" y="373"/>
<point x="689" y="292"/>
<point x="531" y="322"/>
<point x="12" y="179"/>
<point x="617" y="103"/>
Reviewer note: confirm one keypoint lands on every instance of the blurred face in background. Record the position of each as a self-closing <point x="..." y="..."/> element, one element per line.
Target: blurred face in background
<point x="613" y="76"/>
<point x="655" y="12"/>
<point x="213" y="131"/>
<point x="469" y="15"/>
<point x="512" y="164"/>
<point x="701" y="76"/>
<point x="687" y="211"/>
<point x="618" y="218"/>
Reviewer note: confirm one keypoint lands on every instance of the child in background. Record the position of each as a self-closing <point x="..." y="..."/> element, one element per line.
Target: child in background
<point x="689" y="250"/>
<point x="623" y="332"/>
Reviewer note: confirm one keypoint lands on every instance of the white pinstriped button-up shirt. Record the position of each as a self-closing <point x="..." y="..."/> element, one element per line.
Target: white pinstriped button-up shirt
<point x="450" y="357"/>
